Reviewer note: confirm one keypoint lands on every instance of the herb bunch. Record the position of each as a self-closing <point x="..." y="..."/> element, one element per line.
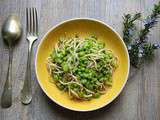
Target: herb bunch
<point x="138" y="47"/>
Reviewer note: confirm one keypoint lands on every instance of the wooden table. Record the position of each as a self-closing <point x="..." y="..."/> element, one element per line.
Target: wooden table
<point x="140" y="99"/>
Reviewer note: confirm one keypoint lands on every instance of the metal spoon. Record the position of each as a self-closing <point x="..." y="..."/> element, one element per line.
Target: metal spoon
<point x="11" y="32"/>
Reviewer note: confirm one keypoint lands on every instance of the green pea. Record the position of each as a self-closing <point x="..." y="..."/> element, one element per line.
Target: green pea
<point x="55" y="77"/>
<point x="90" y="75"/>
<point x="94" y="79"/>
<point x="78" y="77"/>
<point x="83" y="81"/>
<point x="80" y="73"/>
<point x="81" y="94"/>
<point x="97" y="95"/>
<point x="87" y="70"/>
<point x="63" y="53"/>
<point x="65" y="67"/>
<point x="74" y="69"/>
<point x="82" y="68"/>
<point x="82" y="53"/>
<point x="85" y="75"/>
<point x="58" y="60"/>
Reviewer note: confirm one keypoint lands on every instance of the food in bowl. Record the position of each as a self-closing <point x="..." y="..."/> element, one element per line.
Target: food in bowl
<point x="82" y="67"/>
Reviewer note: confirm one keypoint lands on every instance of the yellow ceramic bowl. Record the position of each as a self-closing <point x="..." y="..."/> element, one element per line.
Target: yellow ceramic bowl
<point x="82" y="27"/>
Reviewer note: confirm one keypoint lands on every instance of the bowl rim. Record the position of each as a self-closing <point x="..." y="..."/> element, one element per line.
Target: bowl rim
<point x="75" y="19"/>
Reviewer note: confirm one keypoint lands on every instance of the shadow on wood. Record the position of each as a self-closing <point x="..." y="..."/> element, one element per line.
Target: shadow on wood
<point x="73" y="115"/>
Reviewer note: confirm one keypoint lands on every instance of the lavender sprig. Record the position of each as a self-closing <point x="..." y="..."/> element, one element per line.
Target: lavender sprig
<point x="150" y="21"/>
<point x="140" y="49"/>
<point x="129" y="27"/>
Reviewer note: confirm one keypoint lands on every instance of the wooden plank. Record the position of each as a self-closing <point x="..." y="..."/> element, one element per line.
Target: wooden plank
<point x="139" y="99"/>
<point x="149" y="85"/>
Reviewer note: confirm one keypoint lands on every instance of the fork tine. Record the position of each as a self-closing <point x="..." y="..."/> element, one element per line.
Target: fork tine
<point x="27" y="21"/>
<point x="31" y="20"/>
<point x="34" y="27"/>
<point x="35" y="21"/>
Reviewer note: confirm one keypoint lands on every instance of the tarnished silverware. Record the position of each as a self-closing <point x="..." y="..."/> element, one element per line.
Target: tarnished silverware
<point x="32" y="36"/>
<point x="11" y="32"/>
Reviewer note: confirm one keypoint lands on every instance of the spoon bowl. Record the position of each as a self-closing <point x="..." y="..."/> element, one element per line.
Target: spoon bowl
<point x="11" y="30"/>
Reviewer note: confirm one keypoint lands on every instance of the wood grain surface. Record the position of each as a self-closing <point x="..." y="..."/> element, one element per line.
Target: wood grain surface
<point x="140" y="99"/>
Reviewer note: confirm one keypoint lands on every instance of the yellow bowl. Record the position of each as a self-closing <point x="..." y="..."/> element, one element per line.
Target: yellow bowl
<point x="83" y="27"/>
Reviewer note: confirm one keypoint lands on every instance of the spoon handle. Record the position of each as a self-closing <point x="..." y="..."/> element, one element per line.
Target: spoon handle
<point x="26" y="93"/>
<point x="6" y="99"/>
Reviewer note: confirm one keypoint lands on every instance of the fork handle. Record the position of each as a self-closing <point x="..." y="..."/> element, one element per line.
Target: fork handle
<point x="26" y="93"/>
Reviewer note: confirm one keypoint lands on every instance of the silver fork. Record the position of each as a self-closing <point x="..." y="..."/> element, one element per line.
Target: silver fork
<point x="32" y="36"/>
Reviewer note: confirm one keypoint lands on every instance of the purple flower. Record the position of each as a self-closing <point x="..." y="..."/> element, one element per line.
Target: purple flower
<point x="130" y="32"/>
<point x="137" y="41"/>
<point x="140" y="52"/>
<point x="150" y="21"/>
<point x="156" y="45"/>
<point x="140" y="55"/>
<point x="129" y="47"/>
